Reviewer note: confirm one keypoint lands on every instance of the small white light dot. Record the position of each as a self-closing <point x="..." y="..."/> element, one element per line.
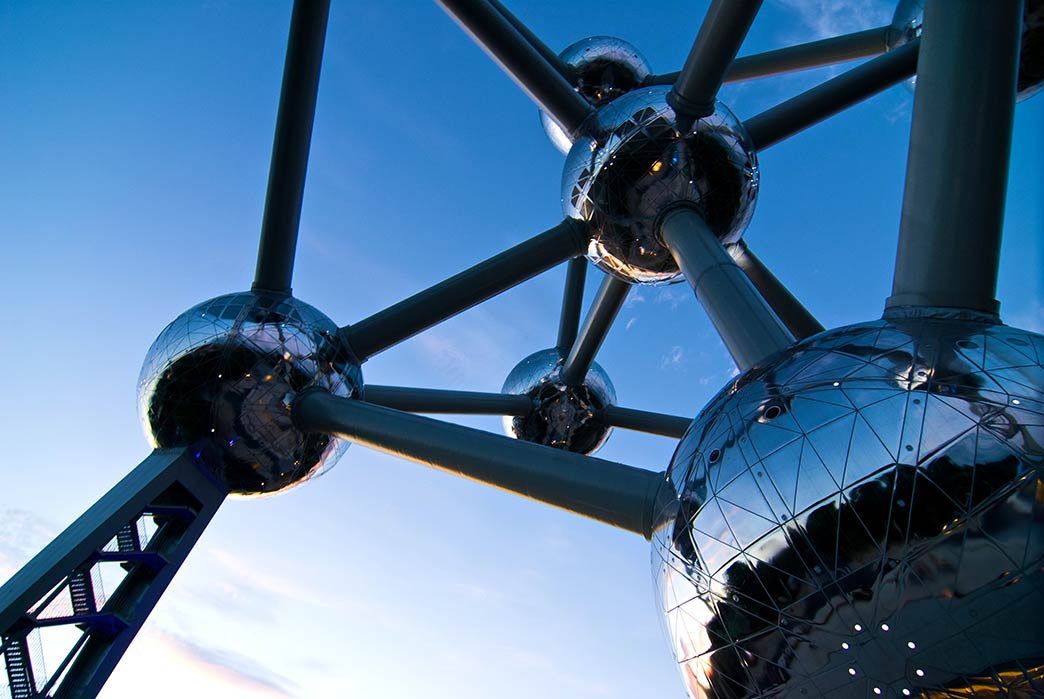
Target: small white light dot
<point x="1016" y="401"/>
<point x="845" y="645"/>
<point x="858" y="627"/>
<point x="920" y="672"/>
<point x="885" y="627"/>
<point x="906" y="692"/>
<point x="837" y="383"/>
<point x="851" y="671"/>
<point x="911" y="645"/>
<point x="877" y="690"/>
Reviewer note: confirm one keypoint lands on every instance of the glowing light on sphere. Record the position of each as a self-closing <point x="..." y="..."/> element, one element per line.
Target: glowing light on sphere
<point x="865" y="512"/>
<point x="604" y="68"/>
<point x="565" y="417"/>
<point x="636" y="165"/>
<point x="222" y="377"/>
<point x="908" y="22"/>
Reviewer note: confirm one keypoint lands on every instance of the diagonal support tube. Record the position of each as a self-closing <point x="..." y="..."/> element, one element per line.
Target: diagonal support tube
<point x="835" y="49"/>
<point x="544" y="84"/>
<point x="644" y="421"/>
<point x="293" y="139"/>
<point x="619" y="495"/>
<point x="466" y="289"/>
<point x="790" y="311"/>
<point x="432" y="400"/>
<point x="722" y="33"/>
<point x="606" y="305"/>
<point x="553" y="59"/>
<point x="960" y="144"/>
<point x="810" y="107"/>
<point x="572" y="300"/>
<point x="748" y="327"/>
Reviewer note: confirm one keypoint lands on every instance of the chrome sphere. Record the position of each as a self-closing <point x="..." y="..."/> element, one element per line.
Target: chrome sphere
<point x="864" y="516"/>
<point x="604" y="68"/>
<point x="564" y="417"/>
<point x="908" y="21"/>
<point x="637" y="165"/>
<point x="221" y="377"/>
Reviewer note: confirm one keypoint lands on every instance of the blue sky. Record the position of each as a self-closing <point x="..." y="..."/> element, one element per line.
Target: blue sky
<point x="134" y="147"/>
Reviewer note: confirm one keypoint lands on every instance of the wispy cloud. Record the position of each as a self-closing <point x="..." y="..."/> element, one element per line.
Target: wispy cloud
<point x="675" y="357"/>
<point x="223" y="665"/>
<point x="824" y="18"/>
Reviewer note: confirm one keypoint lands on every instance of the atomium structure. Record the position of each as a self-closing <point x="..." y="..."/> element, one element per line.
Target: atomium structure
<point x="858" y="512"/>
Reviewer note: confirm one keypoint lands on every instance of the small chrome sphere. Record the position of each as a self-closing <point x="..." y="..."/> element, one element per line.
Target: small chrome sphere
<point x="565" y="417"/>
<point x="907" y="24"/>
<point x="636" y="165"/>
<point x="604" y="68"/>
<point x="222" y="376"/>
<point x="864" y="516"/>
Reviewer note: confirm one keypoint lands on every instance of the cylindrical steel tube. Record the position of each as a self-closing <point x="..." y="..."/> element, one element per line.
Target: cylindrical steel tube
<point x="957" y="170"/>
<point x="609" y="492"/>
<point x="748" y="327"/>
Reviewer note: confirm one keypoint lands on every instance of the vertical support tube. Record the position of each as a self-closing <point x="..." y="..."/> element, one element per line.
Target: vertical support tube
<point x="293" y="139"/>
<point x="572" y="300"/>
<point x="607" y="304"/>
<point x="960" y="143"/>
<point x="746" y="324"/>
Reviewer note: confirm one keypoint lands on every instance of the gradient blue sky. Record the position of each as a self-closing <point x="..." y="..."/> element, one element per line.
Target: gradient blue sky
<point x="134" y="147"/>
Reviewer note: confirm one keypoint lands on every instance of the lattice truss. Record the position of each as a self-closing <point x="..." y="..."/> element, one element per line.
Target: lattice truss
<point x="860" y="512"/>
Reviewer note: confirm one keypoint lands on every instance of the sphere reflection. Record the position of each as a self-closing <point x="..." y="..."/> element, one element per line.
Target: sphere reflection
<point x="637" y="165"/>
<point x="864" y="516"/>
<point x="604" y="68"/>
<point x="222" y="377"/>
<point x="907" y="24"/>
<point x="564" y="417"/>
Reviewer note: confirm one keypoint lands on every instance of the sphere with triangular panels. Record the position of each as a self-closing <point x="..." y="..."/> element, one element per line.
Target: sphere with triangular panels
<point x="863" y="515"/>
<point x="564" y="417"/>
<point x="637" y="163"/>
<point x="222" y="377"/>
<point x="604" y="68"/>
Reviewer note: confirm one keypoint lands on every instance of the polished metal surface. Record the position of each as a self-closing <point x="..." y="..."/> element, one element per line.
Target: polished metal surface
<point x="908" y="21"/>
<point x="222" y="376"/>
<point x="604" y="68"/>
<point x="565" y="417"/>
<point x="864" y="517"/>
<point x="637" y="165"/>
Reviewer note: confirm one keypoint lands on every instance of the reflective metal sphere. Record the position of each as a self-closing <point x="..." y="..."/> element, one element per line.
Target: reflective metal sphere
<point x="637" y="165"/>
<point x="604" y="68"/>
<point x="222" y="377"/>
<point x="565" y="417"/>
<point x="864" y="517"/>
<point x="909" y="17"/>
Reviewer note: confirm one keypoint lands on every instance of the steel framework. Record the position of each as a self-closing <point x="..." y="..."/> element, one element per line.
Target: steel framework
<point x="954" y="199"/>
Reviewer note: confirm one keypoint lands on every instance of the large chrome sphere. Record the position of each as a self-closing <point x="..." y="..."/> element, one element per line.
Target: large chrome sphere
<point x="565" y="417"/>
<point x="604" y="68"/>
<point x="637" y="165"/>
<point x="908" y="21"/>
<point x="864" y="516"/>
<point x="222" y="376"/>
